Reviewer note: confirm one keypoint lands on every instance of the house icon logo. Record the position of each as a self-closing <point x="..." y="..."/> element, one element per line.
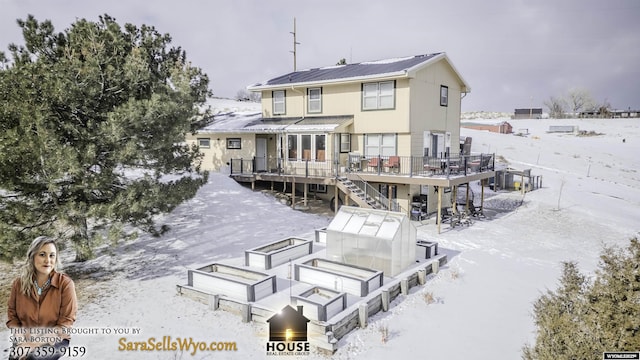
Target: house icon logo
<point x="288" y="333"/>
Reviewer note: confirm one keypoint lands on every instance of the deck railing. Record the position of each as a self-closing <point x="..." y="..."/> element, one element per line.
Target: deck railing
<point x="418" y="166"/>
<point x="371" y="192"/>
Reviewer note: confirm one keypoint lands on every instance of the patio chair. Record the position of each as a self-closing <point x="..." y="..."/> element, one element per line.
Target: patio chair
<point x="479" y="164"/>
<point x="454" y="166"/>
<point x="374" y="162"/>
<point x="432" y="167"/>
<point x="393" y="163"/>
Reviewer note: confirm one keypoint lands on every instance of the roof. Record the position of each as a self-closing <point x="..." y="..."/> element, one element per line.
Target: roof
<point x="396" y="67"/>
<point x="368" y="222"/>
<point x="255" y="123"/>
<point x="528" y="111"/>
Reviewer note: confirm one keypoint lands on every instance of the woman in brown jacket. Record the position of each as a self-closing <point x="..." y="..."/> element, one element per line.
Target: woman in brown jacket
<point x="43" y="303"/>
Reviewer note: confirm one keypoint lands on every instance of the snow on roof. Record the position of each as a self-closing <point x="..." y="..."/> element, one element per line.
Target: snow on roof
<point x="254" y="123"/>
<point x="386" y="61"/>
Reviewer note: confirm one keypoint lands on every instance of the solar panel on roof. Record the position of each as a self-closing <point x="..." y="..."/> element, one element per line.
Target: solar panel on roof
<point x="351" y="70"/>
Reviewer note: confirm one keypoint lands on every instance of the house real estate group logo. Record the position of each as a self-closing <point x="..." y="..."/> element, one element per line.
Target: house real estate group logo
<point x="288" y="333"/>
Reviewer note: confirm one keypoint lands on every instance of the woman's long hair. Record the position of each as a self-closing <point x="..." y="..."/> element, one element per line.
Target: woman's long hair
<point x="29" y="270"/>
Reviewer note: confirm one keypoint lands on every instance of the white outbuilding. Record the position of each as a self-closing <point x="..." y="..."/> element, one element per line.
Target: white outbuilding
<point x="370" y="238"/>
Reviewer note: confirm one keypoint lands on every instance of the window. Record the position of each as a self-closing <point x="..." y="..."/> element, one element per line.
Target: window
<point x="204" y="143"/>
<point x="380" y="144"/>
<point x="320" y="148"/>
<point x="314" y="104"/>
<point x="234" y="143"/>
<point x="376" y="96"/>
<point x="306" y="147"/>
<point x="292" y="140"/>
<point x="444" y="95"/>
<point x="385" y="189"/>
<point x="279" y="107"/>
<point x="318" y="188"/>
<point x="345" y="143"/>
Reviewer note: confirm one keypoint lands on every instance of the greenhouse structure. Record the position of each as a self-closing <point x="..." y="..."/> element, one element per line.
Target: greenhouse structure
<point x="370" y="238"/>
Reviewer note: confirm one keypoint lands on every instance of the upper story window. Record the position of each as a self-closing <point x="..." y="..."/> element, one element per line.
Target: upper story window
<point x="376" y="96"/>
<point x="279" y="107"/>
<point x="314" y="104"/>
<point x="444" y="95"/>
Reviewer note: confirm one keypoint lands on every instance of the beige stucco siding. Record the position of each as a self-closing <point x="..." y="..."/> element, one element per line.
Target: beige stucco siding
<point x="346" y="99"/>
<point x="426" y="112"/>
<point x="216" y="157"/>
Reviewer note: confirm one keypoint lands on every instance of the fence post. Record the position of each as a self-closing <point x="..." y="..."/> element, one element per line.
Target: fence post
<point x="241" y="166"/>
<point x="385" y="300"/>
<point x="379" y="164"/>
<point x="465" y="164"/>
<point x="422" y="276"/>
<point x="246" y="313"/>
<point x="411" y="166"/>
<point x="231" y="162"/>
<point x="363" y="315"/>
<point x="404" y="286"/>
<point x="306" y="168"/>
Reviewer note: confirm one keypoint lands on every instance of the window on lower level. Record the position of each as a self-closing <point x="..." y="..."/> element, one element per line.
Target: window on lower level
<point x="204" y="143"/>
<point x="306" y="147"/>
<point x="345" y="143"/>
<point x="234" y="143"/>
<point x="380" y="144"/>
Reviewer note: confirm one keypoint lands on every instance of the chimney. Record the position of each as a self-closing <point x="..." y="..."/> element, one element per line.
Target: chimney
<point x="300" y="309"/>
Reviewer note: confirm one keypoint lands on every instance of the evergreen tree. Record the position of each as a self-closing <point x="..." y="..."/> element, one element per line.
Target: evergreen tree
<point x="582" y="318"/>
<point x="92" y="129"/>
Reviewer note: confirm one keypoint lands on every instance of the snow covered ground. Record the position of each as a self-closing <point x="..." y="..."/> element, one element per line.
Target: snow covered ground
<point x="483" y="297"/>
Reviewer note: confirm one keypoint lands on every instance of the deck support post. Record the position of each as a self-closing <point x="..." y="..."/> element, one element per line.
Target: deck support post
<point x="439" y="218"/>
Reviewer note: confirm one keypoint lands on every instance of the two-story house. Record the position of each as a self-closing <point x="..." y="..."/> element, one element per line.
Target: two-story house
<point x="387" y="128"/>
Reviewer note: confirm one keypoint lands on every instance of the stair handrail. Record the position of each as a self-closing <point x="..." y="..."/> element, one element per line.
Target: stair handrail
<point x="375" y="194"/>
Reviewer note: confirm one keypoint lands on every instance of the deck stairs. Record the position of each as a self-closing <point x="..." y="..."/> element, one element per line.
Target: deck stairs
<point x="365" y="195"/>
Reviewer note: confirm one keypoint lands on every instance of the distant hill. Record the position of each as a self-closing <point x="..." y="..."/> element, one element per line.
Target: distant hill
<point x="225" y="105"/>
<point x="471" y="115"/>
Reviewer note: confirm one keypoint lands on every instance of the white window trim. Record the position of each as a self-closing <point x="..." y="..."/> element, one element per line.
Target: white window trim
<point x="201" y="140"/>
<point x="344" y="143"/>
<point x="282" y="102"/>
<point x="231" y="143"/>
<point x="317" y="101"/>
<point x="379" y="96"/>
<point x="444" y="95"/>
<point x="314" y="150"/>
<point x="373" y="150"/>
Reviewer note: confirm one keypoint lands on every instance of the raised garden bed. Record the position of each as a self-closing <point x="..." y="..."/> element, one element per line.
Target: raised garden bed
<point x="338" y="276"/>
<point x="277" y="253"/>
<point x="320" y="303"/>
<point x="234" y="282"/>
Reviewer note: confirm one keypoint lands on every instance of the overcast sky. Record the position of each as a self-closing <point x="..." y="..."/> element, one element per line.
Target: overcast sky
<point x="513" y="53"/>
